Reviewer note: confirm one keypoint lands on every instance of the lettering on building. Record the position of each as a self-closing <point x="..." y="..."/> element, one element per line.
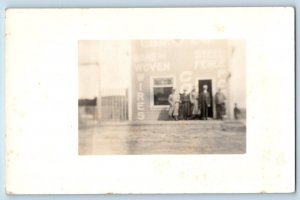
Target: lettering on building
<point x="140" y="97"/>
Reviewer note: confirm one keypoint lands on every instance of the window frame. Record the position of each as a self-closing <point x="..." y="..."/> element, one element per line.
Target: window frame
<point x="152" y="86"/>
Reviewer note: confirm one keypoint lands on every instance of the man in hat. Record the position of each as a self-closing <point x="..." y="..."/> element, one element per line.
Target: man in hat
<point x="204" y="100"/>
<point x="174" y="100"/>
<point x="220" y="104"/>
<point x="236" y="111"/>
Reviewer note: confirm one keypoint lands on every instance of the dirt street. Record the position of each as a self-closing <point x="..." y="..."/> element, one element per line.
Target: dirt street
<point x="190" y="137"/>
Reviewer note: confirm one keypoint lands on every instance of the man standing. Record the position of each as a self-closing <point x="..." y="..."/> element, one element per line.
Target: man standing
<point x="194" y="96"/>
<point x="236" y="111"/>
<point x="204" y="99"/>
<point x="174" y="100"/>
<point x="220" y="104"/>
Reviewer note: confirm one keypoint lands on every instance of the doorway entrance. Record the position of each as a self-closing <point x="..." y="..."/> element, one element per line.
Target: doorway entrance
<point x="207" y="82"/>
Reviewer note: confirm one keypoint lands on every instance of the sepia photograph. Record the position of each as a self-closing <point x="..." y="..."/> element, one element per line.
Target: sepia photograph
<point x="161" y="97"/>
<point x="150" y="100"/>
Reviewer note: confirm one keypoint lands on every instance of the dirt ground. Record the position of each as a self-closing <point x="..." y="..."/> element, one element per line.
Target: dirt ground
<point x="190" y="137"/>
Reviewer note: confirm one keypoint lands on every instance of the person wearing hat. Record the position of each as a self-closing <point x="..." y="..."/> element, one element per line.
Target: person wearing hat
<point x="185" y="99"/>
<point x="174" y="100"/>
<point x="220" y="104"/>
<point x="204" y="100"/>
<point x="194" y="96"/>
<point x="236" y="111"/>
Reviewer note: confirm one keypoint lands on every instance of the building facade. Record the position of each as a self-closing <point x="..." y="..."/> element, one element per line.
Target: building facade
<point x="132" y="79"/>
<point x="160" y="65"/>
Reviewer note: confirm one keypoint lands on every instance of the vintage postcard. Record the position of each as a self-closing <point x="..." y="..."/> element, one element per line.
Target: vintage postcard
<point x="164" y="100"/>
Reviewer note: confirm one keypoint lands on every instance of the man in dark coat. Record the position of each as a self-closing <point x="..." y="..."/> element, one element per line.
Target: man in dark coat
<point x="204" y="100"/>
<point x="236" y="111"/>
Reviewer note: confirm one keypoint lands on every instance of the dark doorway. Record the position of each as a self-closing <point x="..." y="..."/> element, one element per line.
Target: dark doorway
<point x="207" y="82"/>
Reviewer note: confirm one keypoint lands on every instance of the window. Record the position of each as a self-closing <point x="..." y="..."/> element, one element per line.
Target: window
<point x="161" y="88"/>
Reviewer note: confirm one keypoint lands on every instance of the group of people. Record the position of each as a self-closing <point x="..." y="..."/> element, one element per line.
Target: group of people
<point x="195" y="105"/>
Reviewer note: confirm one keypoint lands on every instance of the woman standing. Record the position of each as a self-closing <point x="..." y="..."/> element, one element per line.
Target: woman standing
<point x="194" y="96"/>
<point x="185" y="104"/>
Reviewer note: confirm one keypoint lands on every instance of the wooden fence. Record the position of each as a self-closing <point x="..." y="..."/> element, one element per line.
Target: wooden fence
<point x="113" y="107"/>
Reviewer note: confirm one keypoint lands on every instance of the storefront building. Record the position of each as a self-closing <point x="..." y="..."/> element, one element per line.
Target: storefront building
<point x="132" y="79"/>
<point x="160" y="65"/>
